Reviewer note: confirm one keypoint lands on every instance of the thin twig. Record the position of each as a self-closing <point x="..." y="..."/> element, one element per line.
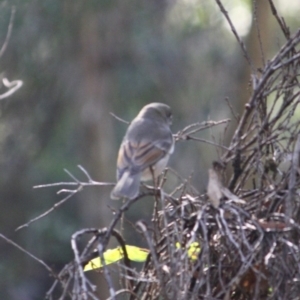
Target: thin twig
<point x="290" y="201"/>
<point x="41" y="262"/>
<point x="280" y="21"/>
<point x="55" y="206"/>
<point x="119" y="119"/>
<point x="196" y="127"/>
<point x="9" y="30"/>
<point x="188" y="137"/>
<point x="242" y="45"/>
<point x="255" y="14"/>
<point x="232" y="110"/>
<point x="12" y="85"/>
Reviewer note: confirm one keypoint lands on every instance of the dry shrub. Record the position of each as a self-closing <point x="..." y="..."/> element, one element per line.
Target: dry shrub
<point x="247" y="251"/>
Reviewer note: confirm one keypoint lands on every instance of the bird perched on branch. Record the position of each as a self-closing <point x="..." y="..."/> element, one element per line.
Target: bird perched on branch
<point x="215" y="188"/>
<point x="145" y="149"/>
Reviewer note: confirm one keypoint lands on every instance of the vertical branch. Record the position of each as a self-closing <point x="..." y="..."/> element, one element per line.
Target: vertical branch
<point x="241" y="43"/>
<point x="290" y="200"/>
<point x="9" y="30"/>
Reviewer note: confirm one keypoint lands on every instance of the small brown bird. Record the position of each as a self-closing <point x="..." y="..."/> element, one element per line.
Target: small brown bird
<point x="147" y="145"/>
<point x="215" y="188"/>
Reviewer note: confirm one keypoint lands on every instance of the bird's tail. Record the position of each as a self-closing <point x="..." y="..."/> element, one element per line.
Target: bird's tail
<point x="126" y="187"/>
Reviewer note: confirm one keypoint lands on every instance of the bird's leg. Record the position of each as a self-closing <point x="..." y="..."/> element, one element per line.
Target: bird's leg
<point x="155" y="182"/>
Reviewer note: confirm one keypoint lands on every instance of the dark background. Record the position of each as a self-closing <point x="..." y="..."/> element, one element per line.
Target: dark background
<point x="81" y="60"/>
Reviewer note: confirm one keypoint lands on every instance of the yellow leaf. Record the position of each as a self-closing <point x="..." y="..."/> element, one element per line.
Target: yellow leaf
<point x="137" y="254"/>
<point x="113" y="255"/>
<point x="134" y="253"/>
<point x="193" y="250"/>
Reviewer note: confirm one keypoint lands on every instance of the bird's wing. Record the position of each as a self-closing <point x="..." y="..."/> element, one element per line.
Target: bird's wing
<point x="136" y="157"/>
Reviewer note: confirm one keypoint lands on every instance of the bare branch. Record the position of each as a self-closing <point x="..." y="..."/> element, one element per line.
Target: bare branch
<point x="119" y="119"/>
<point x="9" y="30"/>
<point x="41" y="262"/>
<point x="55" y="206"/>
<point x="241" y="43"/>
<point x="12" y="85"/>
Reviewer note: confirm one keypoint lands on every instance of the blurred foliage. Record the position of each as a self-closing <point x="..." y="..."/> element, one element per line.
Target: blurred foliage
<point x="67" y="53"/>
